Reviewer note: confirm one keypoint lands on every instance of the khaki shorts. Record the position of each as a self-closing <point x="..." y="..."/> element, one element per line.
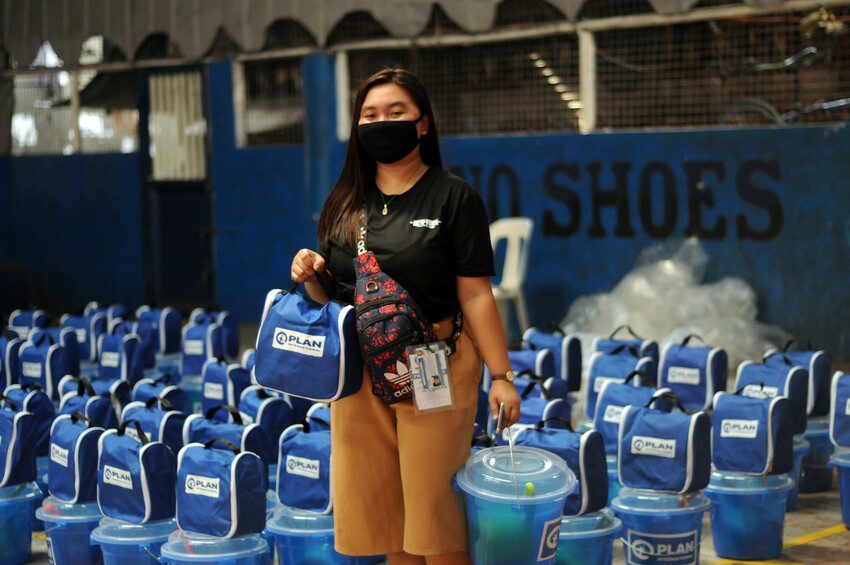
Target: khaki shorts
<point x="392" y="469"/>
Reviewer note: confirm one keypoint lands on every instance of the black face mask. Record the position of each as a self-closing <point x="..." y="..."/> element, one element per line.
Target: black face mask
<point x="389" y="141"/>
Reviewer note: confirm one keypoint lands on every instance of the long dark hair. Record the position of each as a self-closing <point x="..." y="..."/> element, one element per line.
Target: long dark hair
<point x="339" y="215"/>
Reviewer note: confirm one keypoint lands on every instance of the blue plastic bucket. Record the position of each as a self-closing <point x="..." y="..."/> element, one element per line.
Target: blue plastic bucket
<point x="42" y="464"/>
<point x="817" y="474"/>
<point x="801" y="449"/>
<point x="842" y="462"/>
<point x="305" y="538"/>
<point x="614" y="484"/>
<point x="660" y="528"/>
<point x="748" y="514"/>
<point x="124" y="543"/>
<point x="16" y="504"/>
<point x="191" y="548"/>
<point x="68" y="528"/>
<point x="273" y="477"/>
<point x="588" y="539"/>
<point x="193" y="386"/>
<point x="514" y="504"/>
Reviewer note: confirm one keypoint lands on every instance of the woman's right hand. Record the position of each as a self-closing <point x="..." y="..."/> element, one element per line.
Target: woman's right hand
<point x="305" y="265"/>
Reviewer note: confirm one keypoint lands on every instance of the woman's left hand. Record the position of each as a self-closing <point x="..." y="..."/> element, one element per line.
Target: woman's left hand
<point x="504" y="392"/>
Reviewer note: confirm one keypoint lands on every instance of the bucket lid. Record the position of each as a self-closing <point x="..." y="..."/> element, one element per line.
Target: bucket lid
<point x="16" y="493"/>
<point x="639" y="501"/>
<point x="271" y="500"/>
<point x="119" y="532"/>
<point x="739" y="483"/>
<point x="841" y="459"/>
<point x="189" y="546"/>
<point x="292" y="521"/>
<point x="54" y="510"/>
<point x="489" y="474"/>
<point x="817" y="426"/>
<point x="595" y="524"/>
<point x="801" y="443"/>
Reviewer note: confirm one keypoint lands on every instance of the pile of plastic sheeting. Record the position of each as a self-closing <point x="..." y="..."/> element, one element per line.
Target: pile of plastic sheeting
<point x="663" y="298"/>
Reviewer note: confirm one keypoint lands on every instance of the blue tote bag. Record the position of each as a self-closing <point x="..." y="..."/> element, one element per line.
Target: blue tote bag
<point x="308" y="349"/>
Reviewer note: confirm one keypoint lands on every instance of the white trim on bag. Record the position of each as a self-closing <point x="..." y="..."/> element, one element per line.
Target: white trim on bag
<point x="93" y="335"/>
<point x="133" y="404"/>
<point x="187" y="429"/>
<point x="594" y="357"/>
<point x="709" y="375"/>
<point x="833" y="391"/>
<point x="770" y="450"/>
<point x="811" y="402"/>
<point x="662" y="360"/>
<point x="234" y="507"/>
<point x="231" y="390"/>
<point x="99" y="454"/>
<point x="689" y="468"/>
<point x="80" y="439"/>
<point x="244" y="359"/>
<point x="565" y="356"/>
<point x="125" y="356"/>
<point x="11" y="444"/>
<point x="740" y="371"/>
<point x="623" y="419"/>
<point x="48" y="370"/>
<point x="210" y="350"/>
<point x="8" y="357"/>
<point x="585" y="493"/>
<point x="143" y="479"/>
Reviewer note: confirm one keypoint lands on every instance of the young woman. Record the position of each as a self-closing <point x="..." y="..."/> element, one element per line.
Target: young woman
<point x="392" y="467"/>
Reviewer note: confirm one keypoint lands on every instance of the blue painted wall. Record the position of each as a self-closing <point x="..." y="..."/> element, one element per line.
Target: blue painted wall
<point x="260" y="208"/>
<point x="75" y="224"/>
<point x="770" y="206"/>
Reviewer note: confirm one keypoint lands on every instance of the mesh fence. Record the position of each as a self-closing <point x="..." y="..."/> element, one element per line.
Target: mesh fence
<point x="760" y="70"/>
<point x="273" y="113"/>
<point x="516" y="86"/>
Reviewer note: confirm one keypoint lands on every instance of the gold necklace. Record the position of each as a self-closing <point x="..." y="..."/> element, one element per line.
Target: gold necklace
<point x="404" y="187"/>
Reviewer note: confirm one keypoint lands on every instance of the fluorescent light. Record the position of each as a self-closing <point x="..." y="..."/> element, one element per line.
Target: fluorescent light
<point x="534" y="55"/>
<point x="540" y="63"/>
<point x="575" y="105"/>
<point x="547" y="72"/>
<point x="560" y="88"/>
<point x="553" y="79"/>
<point x="566" y="96"/>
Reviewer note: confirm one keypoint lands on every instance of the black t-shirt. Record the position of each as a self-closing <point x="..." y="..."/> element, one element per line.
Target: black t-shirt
<point x="432" y="233"/>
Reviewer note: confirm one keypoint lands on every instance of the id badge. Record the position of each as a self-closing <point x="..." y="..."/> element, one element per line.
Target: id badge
<point x="429" y="373"/>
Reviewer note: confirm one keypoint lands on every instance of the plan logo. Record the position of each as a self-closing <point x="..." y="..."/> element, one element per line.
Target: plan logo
<point x="58" y="455"/>
<point x="683" y="375"/>
<point x="599" y="382"/>
<point x="654" y="446"/>
<point x="32" y="370"/>
<point x="193" y="347"/>
<point x="667" y="549"/>
<point x="746" y="429"/>
<point x="613" y="414"/>
<point x="203" y="486"/>
<point x="214" y="391"/>
<point x="549" y="540"/>
<point x="760" y="391"/>
<point x="297" y="342"/>
<point x="300" y="466"/>
<point x="110" y="359"/>
<point x="118" y="477"/>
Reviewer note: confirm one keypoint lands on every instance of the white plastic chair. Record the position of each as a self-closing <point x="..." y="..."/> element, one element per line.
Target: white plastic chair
<point x="517" y="233"/>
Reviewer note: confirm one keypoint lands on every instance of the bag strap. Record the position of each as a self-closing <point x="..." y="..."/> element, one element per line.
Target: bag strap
<point x="784" y="357"/>
<point x="84" y="387"/>
<point x="76" y="416"/>
<point x="627" y="328"/>
<point x="554" y="328"/>
<point x="363" y="228"/>
<point x="226" y="442"/>
<point x="483" y="440"/>
<point x="530" y="386"/>
<point x="689" y="337"/>
<point x="542" y="423"/>
<point x="623" y="347"/>
<point x="165" y="378"/>
<point x="164" y="403"/>
<point x="237" y="417"/>
<point x="142" y="435"/>
<point x="667" y="396"/>
<point x="741" y="390"/>
<point x="31" y="386"/>
<point x="457" y="328"/>
<point x="9" y="401"/>
<point x="634" y="374"/>
<point x="262" y="393"/>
